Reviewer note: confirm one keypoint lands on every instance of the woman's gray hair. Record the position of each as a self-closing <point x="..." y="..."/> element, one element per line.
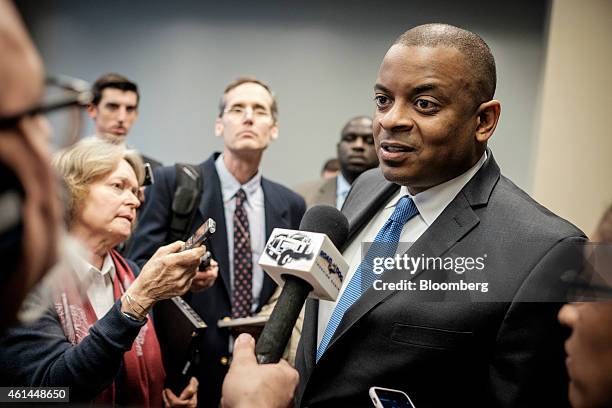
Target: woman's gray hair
<point x="88" y="161"/>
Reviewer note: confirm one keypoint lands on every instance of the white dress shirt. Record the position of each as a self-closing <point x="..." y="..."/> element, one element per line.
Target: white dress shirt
<point x="256" y="213"/>
<point x="99" y="283"/>
<point x="430" y="204"/>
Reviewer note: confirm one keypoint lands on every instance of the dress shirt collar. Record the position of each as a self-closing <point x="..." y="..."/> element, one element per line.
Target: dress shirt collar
<point x="229" y="184"/>
<point x="86" y="271"/>
<point x="434" y="200"/>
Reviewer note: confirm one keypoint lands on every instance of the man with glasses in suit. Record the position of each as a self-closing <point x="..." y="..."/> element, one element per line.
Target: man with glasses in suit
<point x="246" y="207"/>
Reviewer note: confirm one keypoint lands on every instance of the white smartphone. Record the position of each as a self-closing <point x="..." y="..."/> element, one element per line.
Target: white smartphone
<point x="388" y="398"/>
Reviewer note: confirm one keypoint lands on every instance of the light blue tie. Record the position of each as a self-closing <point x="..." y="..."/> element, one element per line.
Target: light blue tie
<point x="384" y="245"/>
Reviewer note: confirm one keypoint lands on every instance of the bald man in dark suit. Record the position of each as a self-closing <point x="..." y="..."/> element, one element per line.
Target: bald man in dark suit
<point x="440" y="188"/>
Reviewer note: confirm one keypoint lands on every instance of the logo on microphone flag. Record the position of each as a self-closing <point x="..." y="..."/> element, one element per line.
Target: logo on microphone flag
<point x="310" y="256"/>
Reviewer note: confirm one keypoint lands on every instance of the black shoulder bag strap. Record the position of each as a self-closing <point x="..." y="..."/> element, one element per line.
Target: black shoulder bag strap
<point x="186" y="198"/>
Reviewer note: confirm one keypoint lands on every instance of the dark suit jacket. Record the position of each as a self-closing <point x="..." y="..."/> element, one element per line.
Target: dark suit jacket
<point x="283" y="208"/>
<point x="38" y="354"/>
<point x="442" y="349"/>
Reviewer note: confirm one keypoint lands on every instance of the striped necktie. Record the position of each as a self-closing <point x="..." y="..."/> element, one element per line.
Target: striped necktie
<point x="384" y="245"/>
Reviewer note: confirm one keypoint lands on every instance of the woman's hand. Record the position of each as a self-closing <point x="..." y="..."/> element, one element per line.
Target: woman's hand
<point x="206" y="278"/>
<point x="168" y="273"/>
<point x="188" y="398"/>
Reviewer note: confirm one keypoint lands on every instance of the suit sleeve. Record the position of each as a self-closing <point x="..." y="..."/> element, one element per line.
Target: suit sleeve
<point x="153" y="217"/>
<point x="527" y="369"/>
<point x="40" y="355"/>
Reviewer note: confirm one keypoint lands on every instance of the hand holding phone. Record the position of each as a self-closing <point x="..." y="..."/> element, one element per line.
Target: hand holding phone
<point x="389" y="398"/>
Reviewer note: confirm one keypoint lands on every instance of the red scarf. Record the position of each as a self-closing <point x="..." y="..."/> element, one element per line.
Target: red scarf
<point x="144" y="373"/>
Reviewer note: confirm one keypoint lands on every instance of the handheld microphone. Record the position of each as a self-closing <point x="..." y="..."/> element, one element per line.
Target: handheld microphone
<point x="306" y="263"/>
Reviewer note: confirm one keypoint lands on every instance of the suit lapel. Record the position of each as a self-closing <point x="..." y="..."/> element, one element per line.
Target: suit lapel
<point x="211" y="205"/>
<point x="364" y="201"/>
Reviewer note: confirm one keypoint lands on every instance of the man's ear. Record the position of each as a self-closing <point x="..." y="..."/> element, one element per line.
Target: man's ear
<point x="487" y="116"/>
<point x="218" y="127"/>
<point x="274" y="132"/>
<point x="92" y="111"/>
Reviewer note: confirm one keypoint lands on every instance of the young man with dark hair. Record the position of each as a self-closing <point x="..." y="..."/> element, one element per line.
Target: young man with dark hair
<point x="114" y="109"/>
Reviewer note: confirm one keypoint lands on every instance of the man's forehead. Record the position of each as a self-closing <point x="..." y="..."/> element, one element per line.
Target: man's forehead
<point x="114" y="94"/>
<point x="441" y="53"/>
<point x="422" y="67"/>
<point x="358" y="126"/>
<point x="248" y="92"/>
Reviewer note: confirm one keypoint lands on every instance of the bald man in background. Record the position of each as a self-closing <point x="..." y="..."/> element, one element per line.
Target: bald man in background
<point x="356" y="154"/>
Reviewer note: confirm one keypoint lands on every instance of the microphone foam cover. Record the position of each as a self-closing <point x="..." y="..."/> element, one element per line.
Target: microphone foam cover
<point x="327" y="220"/>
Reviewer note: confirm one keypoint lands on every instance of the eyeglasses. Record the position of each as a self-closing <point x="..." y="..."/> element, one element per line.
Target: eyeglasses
<point x="62" y="105"/>
<point x="584" y="288"/>
<point x="239" y="111"/>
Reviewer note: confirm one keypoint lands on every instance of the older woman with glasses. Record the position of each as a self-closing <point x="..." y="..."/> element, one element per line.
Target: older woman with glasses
<point x="96" y="339"/>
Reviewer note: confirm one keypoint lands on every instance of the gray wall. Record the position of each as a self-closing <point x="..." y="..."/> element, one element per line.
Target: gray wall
<point x="320" y="57"/>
